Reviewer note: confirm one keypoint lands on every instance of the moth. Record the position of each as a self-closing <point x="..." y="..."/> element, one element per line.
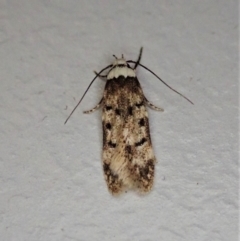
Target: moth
<point x="128" y="157"/>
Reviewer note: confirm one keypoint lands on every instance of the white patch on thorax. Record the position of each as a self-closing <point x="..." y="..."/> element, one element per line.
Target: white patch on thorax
<point x="117" y="71"/>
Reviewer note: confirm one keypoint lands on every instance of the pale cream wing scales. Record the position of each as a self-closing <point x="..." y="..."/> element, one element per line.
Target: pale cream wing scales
<point x="128" y="158"/>
<point x="143" y="159"/>
<point x="114" y="163"/>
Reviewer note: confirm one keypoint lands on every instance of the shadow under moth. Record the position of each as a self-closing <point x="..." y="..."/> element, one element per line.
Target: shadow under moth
<point x="128" y="157"/>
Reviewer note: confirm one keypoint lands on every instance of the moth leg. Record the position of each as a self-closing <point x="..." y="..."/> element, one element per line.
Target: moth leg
<point x="99" y="75"/>
<point x="152" y="106"/>
<point x="95" y="108"/>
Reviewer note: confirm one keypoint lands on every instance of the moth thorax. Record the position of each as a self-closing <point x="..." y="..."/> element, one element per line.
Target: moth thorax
<point x="120" y="68"/>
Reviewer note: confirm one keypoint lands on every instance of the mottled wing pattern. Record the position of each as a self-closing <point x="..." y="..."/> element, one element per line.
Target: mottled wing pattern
<point x="128" y="158"/>
<point x="143" y="159"/>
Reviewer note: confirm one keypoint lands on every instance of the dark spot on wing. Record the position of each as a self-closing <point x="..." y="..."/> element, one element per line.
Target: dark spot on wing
<point x="108" y="107"/>
<point x="128" y="149"/>
<point x="130" y="110"/>
<point x="106" y="168"/>
<point x="141" y="142"/>
<point x="141" y="122"/>
<point x="117" y="111"/>
<point x="139" y="104"/>
<point x="111" y="144"/>
<point x="108" y="126"/>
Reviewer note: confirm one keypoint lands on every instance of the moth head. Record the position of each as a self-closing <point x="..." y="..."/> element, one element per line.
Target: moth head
<point x="120" y="67"/>
<point x="121" y="62"/>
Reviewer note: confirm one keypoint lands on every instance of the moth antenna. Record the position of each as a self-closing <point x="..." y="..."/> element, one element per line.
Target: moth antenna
<point x="86" y="92"/>
<point x="131" y="61"/>
<point x="139" y="58"/>
<point x="122" y="56"/>
<point x="115" y="56"/>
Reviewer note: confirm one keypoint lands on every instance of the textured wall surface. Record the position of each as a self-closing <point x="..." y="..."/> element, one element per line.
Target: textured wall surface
<point x="52" y="184"/>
